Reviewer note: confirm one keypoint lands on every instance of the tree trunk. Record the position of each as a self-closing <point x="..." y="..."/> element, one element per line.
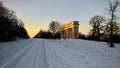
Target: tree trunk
<point x="98" y="32"/>
<point x="111" y="31"/>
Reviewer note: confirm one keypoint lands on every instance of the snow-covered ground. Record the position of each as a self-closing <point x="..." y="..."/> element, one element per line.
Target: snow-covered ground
<point x="41" y="53"/>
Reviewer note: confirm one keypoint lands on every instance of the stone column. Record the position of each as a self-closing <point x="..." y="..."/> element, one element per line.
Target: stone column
<point x="72" y="33"/>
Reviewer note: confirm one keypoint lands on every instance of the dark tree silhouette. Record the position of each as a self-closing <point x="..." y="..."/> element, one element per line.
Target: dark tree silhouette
<point x="47" y="35"/>
<point x="44" y="34"/>
<point x="11" y="27"/>
<point x="82" y="36"/>
<point x="96" y="22"/>
<point x="54" y="27"/>
<point x="112" y="10"/>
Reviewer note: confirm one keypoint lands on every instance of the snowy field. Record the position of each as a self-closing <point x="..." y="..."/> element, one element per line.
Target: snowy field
<point x="40" y="53"/>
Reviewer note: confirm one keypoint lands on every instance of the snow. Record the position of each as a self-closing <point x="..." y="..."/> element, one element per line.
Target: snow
<point x="41" y="53"/>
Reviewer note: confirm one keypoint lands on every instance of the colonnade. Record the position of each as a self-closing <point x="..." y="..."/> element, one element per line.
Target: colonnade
<point x="70" y="30"/>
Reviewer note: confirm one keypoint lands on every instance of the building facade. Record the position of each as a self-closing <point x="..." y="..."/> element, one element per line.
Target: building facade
<point x="70" y="30"/>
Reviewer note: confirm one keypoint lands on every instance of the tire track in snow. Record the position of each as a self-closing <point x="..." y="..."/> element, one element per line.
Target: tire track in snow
<point x="14" y="60"/>
<point x="11" y="45"/>
<point x="40" y="60"/>
<point x="6" y="55"/>
<point x="30" y="57"/>
<point x="7" y="48"/>
<point x="43" y="62"/>
<point x="35" y="57"/>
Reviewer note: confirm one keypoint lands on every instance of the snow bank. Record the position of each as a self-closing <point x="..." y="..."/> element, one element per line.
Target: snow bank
<point x="84" y="54"/>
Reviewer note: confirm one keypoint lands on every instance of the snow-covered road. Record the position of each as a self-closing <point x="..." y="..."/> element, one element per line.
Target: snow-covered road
<point x="28" y="54"/>
<point x="41" y="53"/>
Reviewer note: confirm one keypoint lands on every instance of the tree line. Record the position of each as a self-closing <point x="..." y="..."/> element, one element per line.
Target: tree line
<point x="52" y="33"/>
<point x="105" y="28"/>
<point x="11" y="28"/>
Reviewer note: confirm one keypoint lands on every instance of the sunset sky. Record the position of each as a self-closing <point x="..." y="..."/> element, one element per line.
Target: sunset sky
<point x="37" y="14"/>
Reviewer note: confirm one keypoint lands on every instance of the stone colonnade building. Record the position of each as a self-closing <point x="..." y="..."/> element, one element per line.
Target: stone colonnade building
<point x="70" y="30"/>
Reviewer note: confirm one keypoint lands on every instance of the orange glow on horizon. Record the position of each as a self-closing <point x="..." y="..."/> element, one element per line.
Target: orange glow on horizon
<point x="32" y="31"/>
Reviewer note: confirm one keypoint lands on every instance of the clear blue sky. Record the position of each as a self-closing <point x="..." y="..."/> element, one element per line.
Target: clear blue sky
<point x="37" y="14"/>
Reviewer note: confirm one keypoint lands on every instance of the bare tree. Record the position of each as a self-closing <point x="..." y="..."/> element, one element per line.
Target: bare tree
<point x="96" y="22"/>
<point x="112" y="10"/>
<point x="54" y="27"/>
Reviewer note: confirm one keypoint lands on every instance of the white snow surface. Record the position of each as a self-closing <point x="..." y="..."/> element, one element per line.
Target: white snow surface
<point x="42" y="53"/>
